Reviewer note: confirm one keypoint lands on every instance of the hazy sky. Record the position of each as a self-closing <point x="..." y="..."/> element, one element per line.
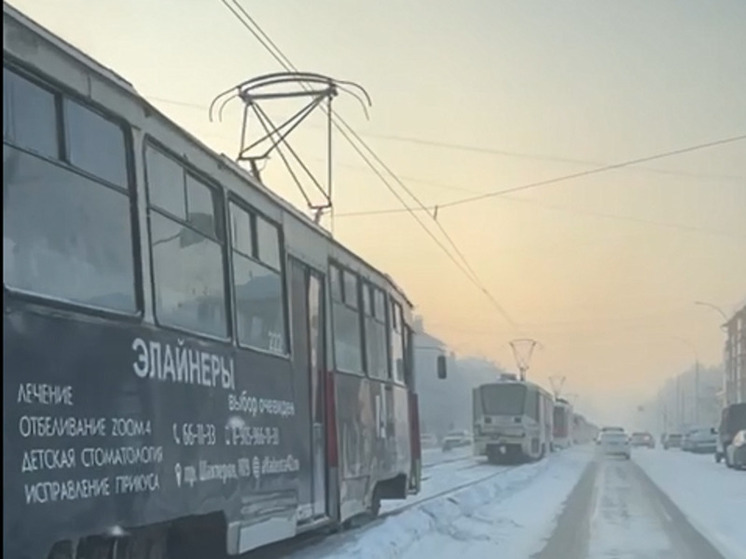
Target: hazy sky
<point x="603" y="270"/>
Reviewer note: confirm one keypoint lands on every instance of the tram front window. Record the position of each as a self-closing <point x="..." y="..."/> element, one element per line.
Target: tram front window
<point x="506" y="399"/>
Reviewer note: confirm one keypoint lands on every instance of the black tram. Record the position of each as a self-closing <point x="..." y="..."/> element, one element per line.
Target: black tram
<point x="186" y="356"/>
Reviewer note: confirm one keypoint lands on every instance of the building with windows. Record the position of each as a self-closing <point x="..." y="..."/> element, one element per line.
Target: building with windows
<point x="735" y="357"/>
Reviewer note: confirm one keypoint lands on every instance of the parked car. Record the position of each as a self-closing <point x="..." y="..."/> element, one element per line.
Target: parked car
<point x="614" y="443"/>
<point x="700" y="440"/>
<point x="642" y="439"/>
<point x="736" y="451"/>
<point x="455" y="439"/>
<point x="732" y="420"/>
<point x="672" y="440"/>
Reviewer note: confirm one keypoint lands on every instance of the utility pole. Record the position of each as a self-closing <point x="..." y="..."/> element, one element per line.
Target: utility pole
<point x="696" y="377"/>
<point x="696" y="391"/>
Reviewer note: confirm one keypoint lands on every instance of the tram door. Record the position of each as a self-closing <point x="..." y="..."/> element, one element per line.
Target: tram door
<point x="307" y="297"/>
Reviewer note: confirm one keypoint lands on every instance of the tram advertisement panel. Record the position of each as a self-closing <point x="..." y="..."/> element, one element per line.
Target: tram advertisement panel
<point x="124" y="425"/>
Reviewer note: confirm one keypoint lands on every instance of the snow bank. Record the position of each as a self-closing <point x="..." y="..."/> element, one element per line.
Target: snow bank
<point x="712" y="497"/>
<point x="511" y="513"/>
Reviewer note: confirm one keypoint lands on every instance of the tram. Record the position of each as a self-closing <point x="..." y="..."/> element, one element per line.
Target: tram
<point x="563" y="424"/>
<point x="186" y="356"/>
<point x="513" y="420"/>
<point x="583" y="432"/>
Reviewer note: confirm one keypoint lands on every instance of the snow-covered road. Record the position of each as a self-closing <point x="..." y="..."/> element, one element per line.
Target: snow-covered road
<point x="572" y="505"/>
<point x="712" y="497"/>
<point x="512" y="512"/>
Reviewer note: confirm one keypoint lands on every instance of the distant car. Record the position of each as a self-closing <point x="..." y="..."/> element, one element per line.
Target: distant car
<point x="612" y="428"/>
<point x="672" y="440"/>
<point x="428" y="441"/>
<point x="701" y="440"/>
<point x="736" y="457"/>
<point x="642" y="439"/>
<point x="456" y="439"/>
<point x="614" y="443"/>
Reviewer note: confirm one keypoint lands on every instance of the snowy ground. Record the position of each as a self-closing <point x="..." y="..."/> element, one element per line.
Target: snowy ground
<point x="510" y="513"/>
<point x="626" y="520"/>
<point x="572" y="505"/>
<point x="711" y="496"/>
<point x="435" y="456"/>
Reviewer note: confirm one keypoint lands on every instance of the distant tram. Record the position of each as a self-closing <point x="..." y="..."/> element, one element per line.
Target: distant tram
<point x="583" y="432"/>
<point x="186" y="356"/>
<point x="513" y="421"/>
<point x="563" y="424"/>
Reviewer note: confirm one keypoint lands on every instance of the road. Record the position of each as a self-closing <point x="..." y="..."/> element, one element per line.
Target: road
<point x="617" y="512"/>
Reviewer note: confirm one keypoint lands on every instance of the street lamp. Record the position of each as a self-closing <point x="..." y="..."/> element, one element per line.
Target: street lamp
<point x="715" y="308"/>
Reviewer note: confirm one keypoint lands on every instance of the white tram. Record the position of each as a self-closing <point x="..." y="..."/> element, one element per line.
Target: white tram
<point x="563" y="424"/>
<point x="512" y="420"/>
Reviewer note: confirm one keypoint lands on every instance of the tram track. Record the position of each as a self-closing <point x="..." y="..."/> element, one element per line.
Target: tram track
<point x="434" y="465"/>
<point x="441" y="494"/>
<point x="304" y="541"/>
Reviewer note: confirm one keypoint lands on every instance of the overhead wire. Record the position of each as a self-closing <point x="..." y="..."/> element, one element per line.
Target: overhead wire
<point x="348" y="133"/>
<point x="541" y="157"/>
<point x="594" y="171"/>
<point x="495" y="151"/>
<point x="577" y="211"/>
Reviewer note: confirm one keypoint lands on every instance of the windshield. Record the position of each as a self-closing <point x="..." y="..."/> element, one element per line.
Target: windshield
<point x="503" y="399"/>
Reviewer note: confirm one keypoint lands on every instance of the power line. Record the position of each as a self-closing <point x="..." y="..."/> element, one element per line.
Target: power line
<point x="595" y="171"/>
<point x="540" y="157"/>
<point x="630" y="219"/>
<point x="346" y="130"/>
<point x="493" y="151"/>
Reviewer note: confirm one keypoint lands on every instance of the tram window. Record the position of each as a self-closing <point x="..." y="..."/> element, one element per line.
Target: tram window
<point x="408" y="357"/>
<point x="335" y="275"/>
<point x="397" y="343"/>
<point x="347" y="339"/>
<point x="367" y="300"/>
<point x="260" y="309"/>
<point x="187" y="252"/>
<point x="200" y="204"/>
<point x="350" y="289"/>
<point x="166" y="184"/>
<point x="375" y="336"/>
<point x="379" y="305"/>
<point x="268" y="243"/>
<point x="66" y="236"/>
<point x="95" y="144"/>
<point x="241" y="235"/>
<point x="348" y="343"/>
<point x="532" y="404"/>
<point x="30" y="115"/>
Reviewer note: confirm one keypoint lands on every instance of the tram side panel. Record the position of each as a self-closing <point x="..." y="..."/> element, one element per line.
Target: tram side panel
<point x="374" y="442"/>
<point x="114" y="425"/>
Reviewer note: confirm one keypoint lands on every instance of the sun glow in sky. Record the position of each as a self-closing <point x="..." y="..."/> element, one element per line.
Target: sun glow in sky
<point x="603" y="270"/>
